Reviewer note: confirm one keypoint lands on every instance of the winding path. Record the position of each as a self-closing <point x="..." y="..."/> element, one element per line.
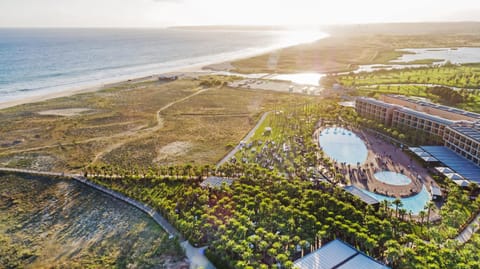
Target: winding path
<point x="145" y="132"/>
<point x="196" y="256"/>
<point x="246" y="138"/>
<point x="122" y="138"/>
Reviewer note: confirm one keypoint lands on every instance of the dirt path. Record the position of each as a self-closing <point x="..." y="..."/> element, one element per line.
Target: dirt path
<point x="135" y="133"/>
<point x="246" y="138"/>
<point x="130" y="136"/>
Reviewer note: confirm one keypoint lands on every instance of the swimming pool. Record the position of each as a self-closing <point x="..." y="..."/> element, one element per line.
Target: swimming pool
<point x="343" y="145"/>
<point x="415" y="203"/>
<point x="392" y="178"/>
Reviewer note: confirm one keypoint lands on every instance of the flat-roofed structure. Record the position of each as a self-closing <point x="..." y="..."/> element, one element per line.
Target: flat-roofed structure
<point x="422" y="105"/>
<point x="216" y="182"/>
<point x="406" y="117"/>
<point x="374" y="109"/>
<point x="465" y="141"/>
<point x="398" y="116"/>
<point x="455" y="162"/>
<point x="355" y="191"/>
<point x="458" y="129"/>
<point x="337" y="254"/>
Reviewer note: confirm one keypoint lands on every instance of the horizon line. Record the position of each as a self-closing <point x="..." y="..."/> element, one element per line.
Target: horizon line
<point x="241" y="25"/>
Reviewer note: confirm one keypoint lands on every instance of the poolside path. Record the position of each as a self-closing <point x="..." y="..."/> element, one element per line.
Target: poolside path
<point x="195" y="256"/>
<point x="246" y="138"/>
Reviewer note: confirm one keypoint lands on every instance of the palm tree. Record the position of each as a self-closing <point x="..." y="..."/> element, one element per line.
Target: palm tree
<point x="393" y="253"/>
<point x="398" y="203"/>
<point x="422" y="215"/>
<point x="429" y="207"/>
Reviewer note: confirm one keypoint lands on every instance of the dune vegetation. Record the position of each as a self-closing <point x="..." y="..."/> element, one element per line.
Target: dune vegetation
<point x="134" y="123"/>
<point x="58" y="223"/>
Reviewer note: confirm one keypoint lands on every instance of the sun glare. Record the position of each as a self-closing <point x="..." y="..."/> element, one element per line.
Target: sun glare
<point x="298" y="36"/>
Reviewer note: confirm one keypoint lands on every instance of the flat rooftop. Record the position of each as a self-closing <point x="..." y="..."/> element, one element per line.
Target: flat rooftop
<point x="473" y="133"/>
<point x="337" y="254"/>
<point x="426" y="116"/>
<point x="369" y="200"/>
<point x="461" y="166"/>
<point x="377" y="102"/>
<point x="458" y="111"/>
<point x="216" y="182"/>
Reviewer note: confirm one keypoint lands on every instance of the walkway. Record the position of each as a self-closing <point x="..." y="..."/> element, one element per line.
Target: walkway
<point x="246" y="138"/>
<point x="467" y="233"/>
<point x="195" y="255"/>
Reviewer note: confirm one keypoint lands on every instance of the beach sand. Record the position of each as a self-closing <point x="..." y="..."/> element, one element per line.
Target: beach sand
<point x="80" y="89"/>
<point x="192" y="71"/>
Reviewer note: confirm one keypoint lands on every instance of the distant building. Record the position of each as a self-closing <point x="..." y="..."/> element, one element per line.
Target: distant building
<point x="167" y="78"/>
<point x="337" y="254"/>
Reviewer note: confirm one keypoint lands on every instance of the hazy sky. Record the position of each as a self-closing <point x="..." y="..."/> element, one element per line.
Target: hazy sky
<point x="158" y="13"/>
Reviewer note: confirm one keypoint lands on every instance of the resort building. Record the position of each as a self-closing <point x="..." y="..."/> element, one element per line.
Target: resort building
<point x="374" y="109"/>
<point x="406" y="117"/>
<point x="464" y="140"/>
<point x="458" y="129"/>
<point x="421" y="105"/>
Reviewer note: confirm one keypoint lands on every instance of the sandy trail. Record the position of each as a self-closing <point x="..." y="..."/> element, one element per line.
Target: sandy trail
<point x="144" y="132"/>
<point x="125" y="137"/>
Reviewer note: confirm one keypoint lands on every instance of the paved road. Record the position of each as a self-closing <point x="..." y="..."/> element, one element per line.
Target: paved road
<point x="195" y="255"/>
<point x="246" y="138"/>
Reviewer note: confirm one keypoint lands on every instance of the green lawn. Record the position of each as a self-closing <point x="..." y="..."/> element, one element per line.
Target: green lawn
<point x="465" y="76"/>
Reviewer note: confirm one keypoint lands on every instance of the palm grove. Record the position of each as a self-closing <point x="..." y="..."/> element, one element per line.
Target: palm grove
<point x="273" y="214"/>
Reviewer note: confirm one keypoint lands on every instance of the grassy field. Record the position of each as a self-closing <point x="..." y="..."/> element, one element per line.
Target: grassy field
<point x="342" y="53"/>
<point x="138" y="124"/>
<point x="67" y="225"/>
<point x="464" y="76"/>
<point x="422" y="82"/>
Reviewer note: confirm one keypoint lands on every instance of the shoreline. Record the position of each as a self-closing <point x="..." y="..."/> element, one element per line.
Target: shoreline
<point x="207" y="67"/>
<point x="98" y="87"/>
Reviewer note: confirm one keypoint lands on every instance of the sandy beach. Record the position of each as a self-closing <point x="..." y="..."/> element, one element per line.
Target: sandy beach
<point x="218" y="63"/>
<point x="81" y="89"/>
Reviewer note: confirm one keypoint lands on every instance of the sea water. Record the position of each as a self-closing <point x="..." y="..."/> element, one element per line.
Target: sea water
<point x="43" y="61"/>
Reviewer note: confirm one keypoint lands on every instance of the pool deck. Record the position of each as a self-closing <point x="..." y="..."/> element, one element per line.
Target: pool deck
<point x="383" y="156"/>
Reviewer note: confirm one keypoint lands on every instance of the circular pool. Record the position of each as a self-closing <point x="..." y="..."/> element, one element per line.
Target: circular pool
<point x="343" y="146"/>
<point x="393" y="178"/>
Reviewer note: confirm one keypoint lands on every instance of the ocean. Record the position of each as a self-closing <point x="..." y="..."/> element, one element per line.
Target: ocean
<point x="36" y="62"/>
